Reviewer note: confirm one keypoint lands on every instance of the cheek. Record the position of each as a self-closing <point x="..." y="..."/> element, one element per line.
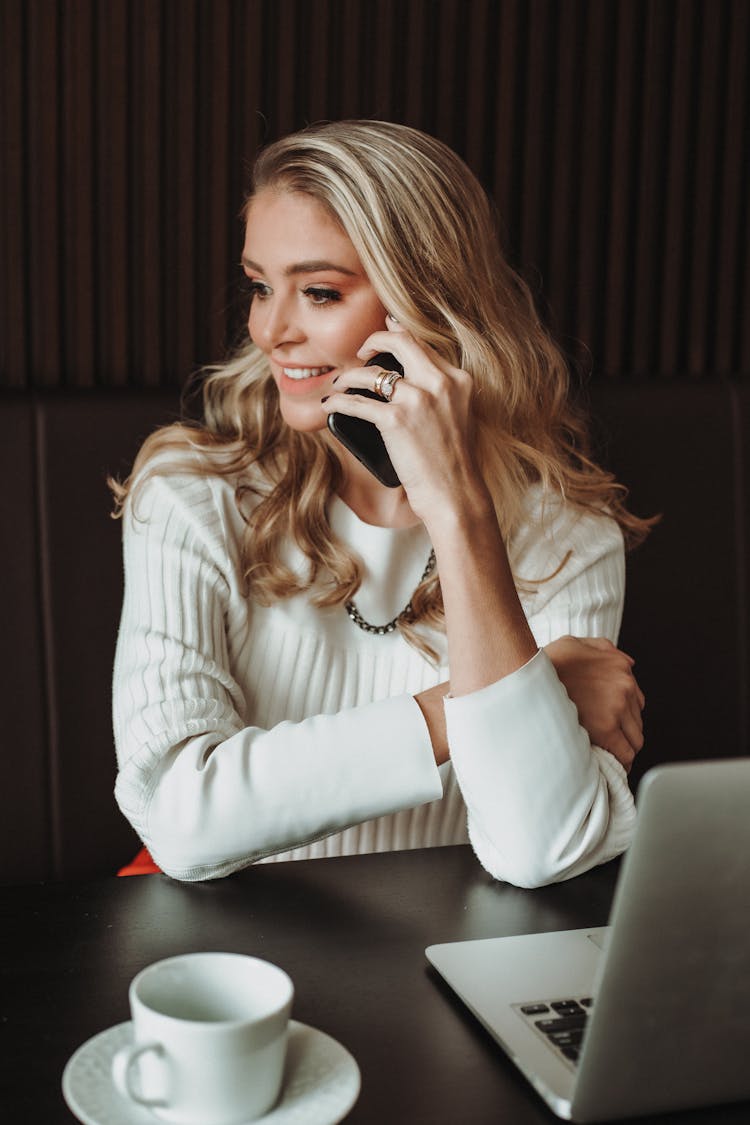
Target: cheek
<point x="352" y="333"/>
<point x="341" y="342"/>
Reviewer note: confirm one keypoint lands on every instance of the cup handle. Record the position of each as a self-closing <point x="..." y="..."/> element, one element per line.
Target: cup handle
<point x="122" y="1064"/>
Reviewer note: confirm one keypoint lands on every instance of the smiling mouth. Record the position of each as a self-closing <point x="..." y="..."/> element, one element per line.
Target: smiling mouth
<point x="298" y="373"/>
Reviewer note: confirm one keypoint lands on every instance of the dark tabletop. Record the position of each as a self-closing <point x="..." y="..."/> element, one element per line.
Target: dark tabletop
<point x="351" y="932"/>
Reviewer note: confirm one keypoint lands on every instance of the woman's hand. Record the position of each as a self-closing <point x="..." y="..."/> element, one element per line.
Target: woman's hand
<point x="599" y="679"/>
<point x="426" y="426"/>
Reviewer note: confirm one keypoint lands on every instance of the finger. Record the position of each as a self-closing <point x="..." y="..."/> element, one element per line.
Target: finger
<point x="605" y="645"/>
<point x="355" y="406"/>
<point x="359" y="378"/>
<point x="632" y="730"/>
<point x="639" y="694"/>
<point x="602" y="643"/>
<point x="631" y="708"/>
<point x="636" y="711"/>
<point x="424" y="367"/>
<point x="619" y="747"/>
<point x="373" y="410"/>
<point x="636" y="698"/>
<point x="356" y="379"/>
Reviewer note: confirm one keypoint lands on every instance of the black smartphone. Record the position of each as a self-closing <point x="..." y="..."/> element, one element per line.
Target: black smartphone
<point x="364" y="439"/>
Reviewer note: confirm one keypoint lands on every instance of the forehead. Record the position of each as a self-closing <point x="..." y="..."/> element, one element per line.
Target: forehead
<point x="291" y="222"/>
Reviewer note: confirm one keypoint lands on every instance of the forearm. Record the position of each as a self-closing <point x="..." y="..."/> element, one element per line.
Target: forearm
<point x="488" y="634"/>
<point x="208" y="804"/>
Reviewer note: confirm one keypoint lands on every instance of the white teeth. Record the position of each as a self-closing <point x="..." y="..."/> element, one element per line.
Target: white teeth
<point x="305" y="372"/>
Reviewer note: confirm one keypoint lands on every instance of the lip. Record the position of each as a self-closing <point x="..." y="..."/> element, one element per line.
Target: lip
<point x="291" y="386"/>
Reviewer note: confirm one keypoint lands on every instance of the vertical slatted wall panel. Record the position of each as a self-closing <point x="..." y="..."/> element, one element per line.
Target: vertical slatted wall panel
<point x="673" y="341"/>
<point x="148" y="127"/>
<point x="14" y="310"/>
<point x="43" y="254"/>
<point x="112" y="212"/>
<point x="701" y="316"/>
<point x="611" y="133"/>
<point x="732" y="243"/>
<point x="618" y="280"/>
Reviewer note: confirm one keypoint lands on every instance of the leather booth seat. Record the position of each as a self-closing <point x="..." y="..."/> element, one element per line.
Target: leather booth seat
<point x="683" y="449"/>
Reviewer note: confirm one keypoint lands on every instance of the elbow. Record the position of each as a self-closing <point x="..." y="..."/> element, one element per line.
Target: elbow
<point x="543" y="873"/>
<point x="536" y="850"/>
<point x="525" y="867"/>
<point x="189" y="857"/>
<point x="196" y="824"/>
<point x="196" y="847"/>
<point x="532" y="873"/>
<point x="182" y="860"/>
<point x="529" y="875"/>
<point x="532" y="862"/>
<point x="180" y="844"/>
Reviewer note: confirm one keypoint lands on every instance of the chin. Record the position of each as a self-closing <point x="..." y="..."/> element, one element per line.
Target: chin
<point x="307" y="418"/>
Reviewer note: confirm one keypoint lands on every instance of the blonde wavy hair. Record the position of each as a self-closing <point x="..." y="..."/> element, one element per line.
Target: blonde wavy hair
<point x="425" y="233"/>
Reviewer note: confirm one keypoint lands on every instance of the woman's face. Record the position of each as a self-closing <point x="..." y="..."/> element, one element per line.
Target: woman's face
<point x="312" y="304"/>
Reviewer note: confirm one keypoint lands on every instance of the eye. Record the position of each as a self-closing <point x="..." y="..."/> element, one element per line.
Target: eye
<point x="321" y="295"/>
<point x="256" y="289"/>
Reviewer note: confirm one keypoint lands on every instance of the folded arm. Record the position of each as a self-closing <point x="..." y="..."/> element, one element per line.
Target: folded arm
<point x="208" y="790"/>
<point x="545" y="801"/>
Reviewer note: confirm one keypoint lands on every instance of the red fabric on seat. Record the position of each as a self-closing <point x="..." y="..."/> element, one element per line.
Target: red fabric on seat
<point x="142" y="864"/>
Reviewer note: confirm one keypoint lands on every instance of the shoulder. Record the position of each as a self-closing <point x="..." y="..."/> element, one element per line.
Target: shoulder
<point x="185" y="493"/>
<point x="555" y="540"/>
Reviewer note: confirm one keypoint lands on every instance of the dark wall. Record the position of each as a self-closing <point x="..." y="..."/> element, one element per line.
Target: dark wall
<point x="612" y="134"/>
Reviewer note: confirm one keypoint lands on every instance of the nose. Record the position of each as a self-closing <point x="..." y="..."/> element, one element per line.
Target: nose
<point x="272" y="322"/>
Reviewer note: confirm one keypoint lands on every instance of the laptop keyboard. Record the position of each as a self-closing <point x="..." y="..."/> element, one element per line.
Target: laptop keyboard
<point x="561" y="1023"/>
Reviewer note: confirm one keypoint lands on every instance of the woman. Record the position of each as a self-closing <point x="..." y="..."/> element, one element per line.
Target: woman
<point x="257" y="715"/>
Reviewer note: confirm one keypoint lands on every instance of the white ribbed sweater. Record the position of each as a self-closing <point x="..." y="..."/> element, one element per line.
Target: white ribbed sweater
<point x="247" y="733"/>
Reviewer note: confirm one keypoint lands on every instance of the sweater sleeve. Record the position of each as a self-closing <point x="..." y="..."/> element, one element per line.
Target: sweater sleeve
<point x="207" y="791"/>
<point x="543" y="803"/>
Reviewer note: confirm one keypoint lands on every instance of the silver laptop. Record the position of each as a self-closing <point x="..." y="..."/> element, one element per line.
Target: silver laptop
<point x="650" y="1013"/>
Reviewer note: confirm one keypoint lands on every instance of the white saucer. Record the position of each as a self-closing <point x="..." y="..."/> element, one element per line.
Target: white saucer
<point x="321" y="1081"/>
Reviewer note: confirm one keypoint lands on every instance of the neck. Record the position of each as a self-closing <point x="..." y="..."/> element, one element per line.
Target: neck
<point x="370" y="500"/>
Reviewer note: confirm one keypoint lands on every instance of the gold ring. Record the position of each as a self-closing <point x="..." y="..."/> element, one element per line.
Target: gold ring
<point x="379" y="381"/>
<point x="388" y="384"/>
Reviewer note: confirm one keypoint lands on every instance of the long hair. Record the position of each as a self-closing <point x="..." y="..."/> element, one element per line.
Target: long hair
<point x="426" y="235"/>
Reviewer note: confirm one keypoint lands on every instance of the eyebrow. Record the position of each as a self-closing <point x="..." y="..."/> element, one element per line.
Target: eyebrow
<point x="313" y="266"/>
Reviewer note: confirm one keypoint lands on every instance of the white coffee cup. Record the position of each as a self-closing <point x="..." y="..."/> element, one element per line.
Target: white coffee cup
<point x="210" y="1035"/>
